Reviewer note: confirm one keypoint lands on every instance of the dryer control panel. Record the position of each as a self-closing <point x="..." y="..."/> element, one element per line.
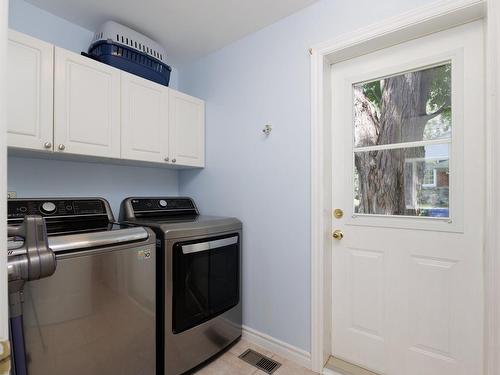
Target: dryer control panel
<point x="154" y="206"/>
<point x="162" y="204"/>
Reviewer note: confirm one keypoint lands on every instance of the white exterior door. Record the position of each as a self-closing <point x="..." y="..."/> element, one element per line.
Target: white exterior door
<point x="86" y="106"/>
<point x="144" y="119"/>
<point x="187" y="129"/>
<point x="408" y="174"/>
<point x="30" y="76"/>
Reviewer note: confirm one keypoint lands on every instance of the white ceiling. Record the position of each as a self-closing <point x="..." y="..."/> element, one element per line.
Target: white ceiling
<point x="188" y="29"/>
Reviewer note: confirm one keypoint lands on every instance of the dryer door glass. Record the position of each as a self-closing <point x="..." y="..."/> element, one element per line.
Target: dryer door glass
<point x="224" y="279"/>
<point x="205" y="279"/>
<point x="190" y="289"/>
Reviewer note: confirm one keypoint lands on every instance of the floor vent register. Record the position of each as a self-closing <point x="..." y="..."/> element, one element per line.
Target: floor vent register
<point x="260" y="361"/>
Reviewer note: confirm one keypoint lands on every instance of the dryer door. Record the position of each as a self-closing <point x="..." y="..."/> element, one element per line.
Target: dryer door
<point x="205" y="279"/>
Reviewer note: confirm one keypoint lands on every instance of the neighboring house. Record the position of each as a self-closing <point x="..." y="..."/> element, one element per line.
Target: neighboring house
<point x="431" y="198"/>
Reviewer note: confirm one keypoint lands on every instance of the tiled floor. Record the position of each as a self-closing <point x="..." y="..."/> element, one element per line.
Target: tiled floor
<point x="230" y="364"/>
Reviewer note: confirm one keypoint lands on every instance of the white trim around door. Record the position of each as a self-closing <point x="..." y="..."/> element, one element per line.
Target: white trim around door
<point x="422" y="21"/>
<point x="4" y="327"/>
<point x="492" y="220"/>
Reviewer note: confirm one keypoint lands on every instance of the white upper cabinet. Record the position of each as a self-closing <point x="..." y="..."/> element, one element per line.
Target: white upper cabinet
<point x="63" y="102"/>
<point x="86" y="106"/>
<point x="187" y="129"/>
<point x="29" y="92"/>
<point x="144" y="120"/>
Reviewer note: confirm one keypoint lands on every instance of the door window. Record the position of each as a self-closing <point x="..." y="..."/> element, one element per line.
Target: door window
<point x="402" y="140"/>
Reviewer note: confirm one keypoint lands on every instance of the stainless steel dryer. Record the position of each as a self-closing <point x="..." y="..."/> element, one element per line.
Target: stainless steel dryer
<point x="200" y="258"/>
<point x="96" y="313"/>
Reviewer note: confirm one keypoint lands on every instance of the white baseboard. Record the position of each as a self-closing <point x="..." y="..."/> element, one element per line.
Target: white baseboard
<point x="278" y="347"/>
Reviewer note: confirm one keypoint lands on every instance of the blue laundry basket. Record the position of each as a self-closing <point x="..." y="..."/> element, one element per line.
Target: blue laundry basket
<point x="123" y="48"/>
<point x="132" y="61"/>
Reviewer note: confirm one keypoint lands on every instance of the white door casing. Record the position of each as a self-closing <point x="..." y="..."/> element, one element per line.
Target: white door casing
<point x="4" y="326"/>
<point x="408" y="292"/>
<point x="86" y="106"/>
<point x="492" y="242"/>
<point x="187" y="129"/>
<point x="30" y="70"/>
<point x="145" y="134"/>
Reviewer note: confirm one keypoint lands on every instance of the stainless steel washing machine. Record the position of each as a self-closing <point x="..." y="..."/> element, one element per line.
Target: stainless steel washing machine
<point x="199" y="268"/>
<point x="96" y="313"/>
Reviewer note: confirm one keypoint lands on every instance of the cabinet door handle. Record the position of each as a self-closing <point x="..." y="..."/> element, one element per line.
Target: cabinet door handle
<point x="47" y="145"/>
<point x="61" y="147"/>
<point x="174" y="160"/>
<point x="166" y="159"/>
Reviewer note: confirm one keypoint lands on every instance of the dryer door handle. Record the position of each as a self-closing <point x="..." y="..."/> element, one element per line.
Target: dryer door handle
<point x="208" y="245"/>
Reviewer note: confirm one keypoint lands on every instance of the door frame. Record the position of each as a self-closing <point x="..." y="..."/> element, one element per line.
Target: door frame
<point x="437" y="16"/>
<point x="4" y="326"/>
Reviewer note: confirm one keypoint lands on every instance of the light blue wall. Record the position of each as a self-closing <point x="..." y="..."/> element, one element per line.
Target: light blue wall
<point x="36" y="22"/>
<point x="263" y="78"/>
<point x="55" y="178"/>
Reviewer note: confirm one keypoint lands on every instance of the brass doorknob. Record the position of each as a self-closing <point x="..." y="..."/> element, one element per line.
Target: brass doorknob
<point x="338" y="234"/>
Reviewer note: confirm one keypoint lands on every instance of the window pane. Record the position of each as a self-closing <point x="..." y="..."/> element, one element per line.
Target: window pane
<point x="410" y="107"/>
<point x="403" y="181"/>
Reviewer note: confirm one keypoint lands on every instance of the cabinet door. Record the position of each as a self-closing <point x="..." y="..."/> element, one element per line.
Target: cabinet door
<point x="187" y="129"/>
<point x="86" y="106"/>
<point x="29" y="92"/>
<point x="144" y="119"/>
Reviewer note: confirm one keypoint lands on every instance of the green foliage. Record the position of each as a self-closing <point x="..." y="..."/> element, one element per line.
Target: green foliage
<point x="373" y="91"/>
<point x="440" y="94"/>
<point x="439" y="98"/>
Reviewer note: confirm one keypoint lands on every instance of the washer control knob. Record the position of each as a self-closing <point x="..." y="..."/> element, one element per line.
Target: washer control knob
<point x="162" y="203"/>
<point x="49" y="207"/>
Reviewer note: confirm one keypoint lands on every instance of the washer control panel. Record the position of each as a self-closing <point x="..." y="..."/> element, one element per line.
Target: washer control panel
<point x="18" y="208"/>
